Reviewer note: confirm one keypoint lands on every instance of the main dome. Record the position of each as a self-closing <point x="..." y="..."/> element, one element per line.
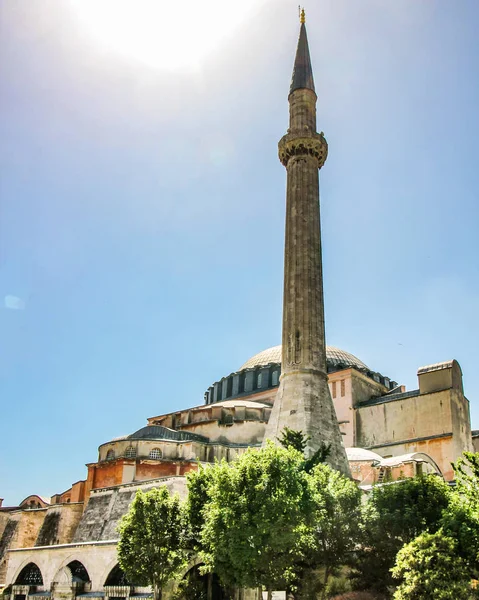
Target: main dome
<point x="335" y="357"/>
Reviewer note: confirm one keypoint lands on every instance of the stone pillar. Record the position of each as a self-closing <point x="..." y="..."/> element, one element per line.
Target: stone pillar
<point x="303" y="401"/>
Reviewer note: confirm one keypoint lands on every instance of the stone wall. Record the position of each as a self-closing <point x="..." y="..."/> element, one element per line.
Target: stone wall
<point x="40" y="527"/>
<point x="106" y="507"/>
<point x="436" y="424"/>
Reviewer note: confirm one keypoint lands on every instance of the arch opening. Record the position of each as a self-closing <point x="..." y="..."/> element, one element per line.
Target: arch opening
<point x="117" y="577"/>
<point x="78" y="571"/>
<point x="195" y="586"/>
<point x="30" y="575"/>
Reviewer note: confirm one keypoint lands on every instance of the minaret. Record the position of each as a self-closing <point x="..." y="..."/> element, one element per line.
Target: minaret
<point x="303" y="401"/>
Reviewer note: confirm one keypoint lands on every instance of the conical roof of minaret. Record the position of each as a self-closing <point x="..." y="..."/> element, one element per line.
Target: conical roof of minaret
<point x="302" y="71"/>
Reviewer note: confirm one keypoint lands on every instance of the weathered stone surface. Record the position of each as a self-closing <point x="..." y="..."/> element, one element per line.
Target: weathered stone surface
<point x="304" y="401"/>
<point x="106" y="507"/>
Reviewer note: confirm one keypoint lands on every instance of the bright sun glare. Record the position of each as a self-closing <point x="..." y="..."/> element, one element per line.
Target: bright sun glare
<point x="163" y="34"/>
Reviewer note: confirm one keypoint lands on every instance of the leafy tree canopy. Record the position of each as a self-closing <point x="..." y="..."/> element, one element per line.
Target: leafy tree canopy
<point x="151" y="547"/>
<point x="394" y="515"/>
<point x="461" y="520"/>
<point x="334" y="534"/>
<point x="257" y="518"/>
<point x="429" y="569"/>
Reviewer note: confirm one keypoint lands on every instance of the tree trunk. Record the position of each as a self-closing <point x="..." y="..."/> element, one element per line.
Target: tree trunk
<point x="326" y="577"/>
<point x="157" y="593"/>
<point x="209" y="590"/>
<point x="270" y="594"/>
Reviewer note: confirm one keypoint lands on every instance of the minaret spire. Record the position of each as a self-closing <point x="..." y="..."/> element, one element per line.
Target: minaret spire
<point x="303" y="401"/>
<point x="302" y="70"/>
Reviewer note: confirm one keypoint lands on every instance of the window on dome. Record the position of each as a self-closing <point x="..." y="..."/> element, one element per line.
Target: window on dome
<point x="130" y="452"/>
<point x="275" y="378"/>
<point x="110" y="455"/>
<point x="155" y="454"/>
<point x="260" y="380"/>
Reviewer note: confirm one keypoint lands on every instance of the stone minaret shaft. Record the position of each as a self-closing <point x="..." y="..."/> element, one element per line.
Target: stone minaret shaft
<point x="303" y="401"/>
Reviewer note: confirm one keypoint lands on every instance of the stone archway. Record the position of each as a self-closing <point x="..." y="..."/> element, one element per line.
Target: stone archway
<point x="29" y="575"/>
<point x="195" y="586"/>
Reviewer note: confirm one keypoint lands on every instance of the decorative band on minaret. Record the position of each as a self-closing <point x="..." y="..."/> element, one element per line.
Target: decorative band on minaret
<point x="304" y="401"/>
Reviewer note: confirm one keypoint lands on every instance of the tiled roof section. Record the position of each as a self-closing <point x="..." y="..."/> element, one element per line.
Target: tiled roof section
<point x="334" y="357"/>
<point x="437" y="367"/>
<point x="302" y="71"/>
<point x="233" y="404"/>
<point x="389" y="398"/>
<point x="158" y="432"/>
<point x="361" y="454"/>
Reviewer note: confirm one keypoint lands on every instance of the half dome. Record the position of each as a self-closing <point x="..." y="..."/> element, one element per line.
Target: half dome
<point x="335" y="357"/>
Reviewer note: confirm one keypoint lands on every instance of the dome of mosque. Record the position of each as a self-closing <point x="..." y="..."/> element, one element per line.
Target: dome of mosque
<point x="335" y="357"/>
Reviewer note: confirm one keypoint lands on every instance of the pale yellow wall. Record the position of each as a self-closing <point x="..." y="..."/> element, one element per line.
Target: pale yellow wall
<point x="441" y="450"/>
<point x="340" y="387"/>
<point x="348" y="387"/>
<point x="404" y="419"/>
<point x="461" y="423"/>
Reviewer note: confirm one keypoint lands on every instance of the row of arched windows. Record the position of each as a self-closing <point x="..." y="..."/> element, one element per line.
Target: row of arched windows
<point x="31" y="574"/>
<point x="130" y="452"/>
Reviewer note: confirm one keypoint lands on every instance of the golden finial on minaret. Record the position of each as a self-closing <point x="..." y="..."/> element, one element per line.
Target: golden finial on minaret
<point x="302" y="16"/>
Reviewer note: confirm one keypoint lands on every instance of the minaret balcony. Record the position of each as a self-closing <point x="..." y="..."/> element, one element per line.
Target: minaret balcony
<point x="303" y="144"/>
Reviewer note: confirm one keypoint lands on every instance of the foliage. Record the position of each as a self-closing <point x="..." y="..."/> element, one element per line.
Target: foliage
<point x="151" y="547"/>
<point x="336" y="514"/>
<point x="466" y="470"/>
<point x="358" y="596"/>
<point x="199" y="483"/>
<point x="429" y="569"/>
<point x="461" y="520"/>
<point x="256" y="518"/>
<point x="290" y="438"/>
<point x="338" y="585"/>
<point x="394" y="515"/>
<point x="191" y="587"/>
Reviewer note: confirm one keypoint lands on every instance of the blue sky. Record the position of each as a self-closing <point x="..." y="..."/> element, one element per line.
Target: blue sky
<point x="142" y="212"/>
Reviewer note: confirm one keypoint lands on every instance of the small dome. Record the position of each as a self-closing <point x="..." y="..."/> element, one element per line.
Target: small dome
<point x="335" y="357"/>
<point x="360" y="454"/>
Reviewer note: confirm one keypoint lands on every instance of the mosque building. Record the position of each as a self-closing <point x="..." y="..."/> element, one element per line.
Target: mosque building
<point x="65" y="546"/>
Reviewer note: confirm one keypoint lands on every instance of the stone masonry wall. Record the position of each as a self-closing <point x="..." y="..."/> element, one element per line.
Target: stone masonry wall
<point x="106" y="507"/>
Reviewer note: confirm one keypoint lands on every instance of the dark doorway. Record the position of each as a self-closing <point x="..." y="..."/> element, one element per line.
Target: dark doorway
<point x="117" y="577"/>
<point x="194" y="586"/>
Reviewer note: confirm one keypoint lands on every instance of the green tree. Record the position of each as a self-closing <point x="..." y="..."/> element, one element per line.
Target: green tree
<point x="394" y="515"/>
<point x="257" y="518"/>
<point x="429" y="569"/>
<point x="291" y="438"/>
<point x="151" y="547"/>
<point x="336" y="514"/>
<point x="461" y="520"/>
<point x="199" y="484"/>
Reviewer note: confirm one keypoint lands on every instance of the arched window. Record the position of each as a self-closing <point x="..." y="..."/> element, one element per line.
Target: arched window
<point x="260" y="380"/>
<point x="274" y="378"/>
<point x="30" y="575"/>
<point x="110" y="455"/>
<point x="130" y="452"/>
<point x="155" y="454"/>
<point x="78" y="571"/>
<point x="117" y="577"/>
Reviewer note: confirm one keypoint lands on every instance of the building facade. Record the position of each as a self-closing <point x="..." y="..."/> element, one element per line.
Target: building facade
<point x="64" y="547"/>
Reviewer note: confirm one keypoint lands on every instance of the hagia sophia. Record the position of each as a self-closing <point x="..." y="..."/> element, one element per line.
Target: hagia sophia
<point x="65" y="546"/>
